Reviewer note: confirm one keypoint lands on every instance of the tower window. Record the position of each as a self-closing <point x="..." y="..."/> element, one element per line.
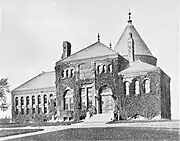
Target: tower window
<point x="126" y="88"/>
<point x="136" y="83"/>
<point x="146" y="86"/>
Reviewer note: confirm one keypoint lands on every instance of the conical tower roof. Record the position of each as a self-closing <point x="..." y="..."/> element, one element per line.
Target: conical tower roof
<point x="140" y="48"/>
<point x="141" y="51"/>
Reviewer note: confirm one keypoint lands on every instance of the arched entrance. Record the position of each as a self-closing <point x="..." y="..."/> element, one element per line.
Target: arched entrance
<point x="105" y="100"/>
<point x="68" y="100"/>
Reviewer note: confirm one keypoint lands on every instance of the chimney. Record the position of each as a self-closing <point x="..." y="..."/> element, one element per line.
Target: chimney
<point x="66" y="49"/>
<point x="131" y="48"/>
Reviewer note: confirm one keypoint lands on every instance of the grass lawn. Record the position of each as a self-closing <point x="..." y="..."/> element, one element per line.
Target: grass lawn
<point x="110" y="133"/>
<point x="4" y="133"/>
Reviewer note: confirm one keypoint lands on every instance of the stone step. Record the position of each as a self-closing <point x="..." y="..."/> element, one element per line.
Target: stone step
<point x="100" y="118"/>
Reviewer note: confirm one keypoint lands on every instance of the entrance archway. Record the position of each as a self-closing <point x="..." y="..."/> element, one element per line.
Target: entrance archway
<point x="105" y="100"/>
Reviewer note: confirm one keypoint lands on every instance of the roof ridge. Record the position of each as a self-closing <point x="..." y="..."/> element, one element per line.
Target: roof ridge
<point x="32" y="79"/>
<point x="27" y="82"/>
<point x="86" y="49"/>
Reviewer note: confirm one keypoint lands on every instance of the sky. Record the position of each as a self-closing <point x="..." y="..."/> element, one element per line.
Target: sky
<point x="32" y="32"/>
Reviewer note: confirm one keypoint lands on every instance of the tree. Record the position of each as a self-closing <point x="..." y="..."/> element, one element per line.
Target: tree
<point x="4" y="89"/>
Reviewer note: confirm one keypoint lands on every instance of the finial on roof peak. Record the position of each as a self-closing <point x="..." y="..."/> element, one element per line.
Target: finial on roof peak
<point x="98" y="37"/>
<point x="110" y="45"/>
<point x="129" y="20"/>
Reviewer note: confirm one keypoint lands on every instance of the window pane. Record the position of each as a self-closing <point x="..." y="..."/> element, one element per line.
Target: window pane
<point x="45" y="110"/>
<point x="66" y="104"/>
<point x="33" y="111"/>
<point x="71" y="104"/>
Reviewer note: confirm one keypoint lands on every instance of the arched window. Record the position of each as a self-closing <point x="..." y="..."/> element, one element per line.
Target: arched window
<point x="45" y="99"/>
<point x="98" y="69"/>
<point x="67" y="73"/>
<point x="126" y="88"/>
<point x="136" y="83"/>
<point x="27" y="100"/>
<point x="72" y="73"/>
<point x="146" y="86"/>
<point x="16" y="101"/>
<point x="101" y="69"/>
<point x="104" y="69"/>
<point x="39" y="99"/>
<point x="51" y="96"/>
<point x="109" y="68"/>
<point x="55" y="103"/>
<point x="68" y="100"/>
<point x="22" y="101"/>
<point x="62" y="73"/>
<point x="33" y="100"/>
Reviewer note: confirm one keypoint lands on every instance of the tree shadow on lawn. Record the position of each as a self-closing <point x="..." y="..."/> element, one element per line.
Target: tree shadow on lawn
<point x="109" y="133"/>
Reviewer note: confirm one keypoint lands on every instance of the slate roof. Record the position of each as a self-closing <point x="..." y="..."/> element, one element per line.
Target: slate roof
<point x="43" y="80"/>
<point x="122" y="45"/>
<point x="95" y="50"/>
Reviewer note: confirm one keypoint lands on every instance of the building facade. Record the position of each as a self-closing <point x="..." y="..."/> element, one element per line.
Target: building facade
<point x="35" y="97"/>
<point x="124" y="81"/>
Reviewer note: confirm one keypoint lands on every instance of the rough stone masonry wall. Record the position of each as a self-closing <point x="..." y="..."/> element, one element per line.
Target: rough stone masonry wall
<point x="75" y="83"/>
<point x="147" y="105"/>
<point x="165" y="96"/>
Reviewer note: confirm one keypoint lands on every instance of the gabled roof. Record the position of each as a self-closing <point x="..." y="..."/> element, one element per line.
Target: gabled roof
<point x="43" y="80"/>
<point x="138" y="66"/>
<point x="140" y="47"/>
<point x="95" y="50"/>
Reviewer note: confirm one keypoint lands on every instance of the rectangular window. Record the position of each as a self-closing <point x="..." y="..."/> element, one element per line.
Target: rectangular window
<point x="66" y="103"/>
<point x="83" y="98"/>
<point x="39" y="110"/>
<point x="27" y="112"/>
<point x="17" y="111"/>
<point x="33" y="111"/>
<point x="45" y="110"/>
<point x="33" y="101"/>
<point x="89" y="101"/>
<point x="22" y="111"/>
<point x="71" y="104"/>
<point x="89" y="93"/>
